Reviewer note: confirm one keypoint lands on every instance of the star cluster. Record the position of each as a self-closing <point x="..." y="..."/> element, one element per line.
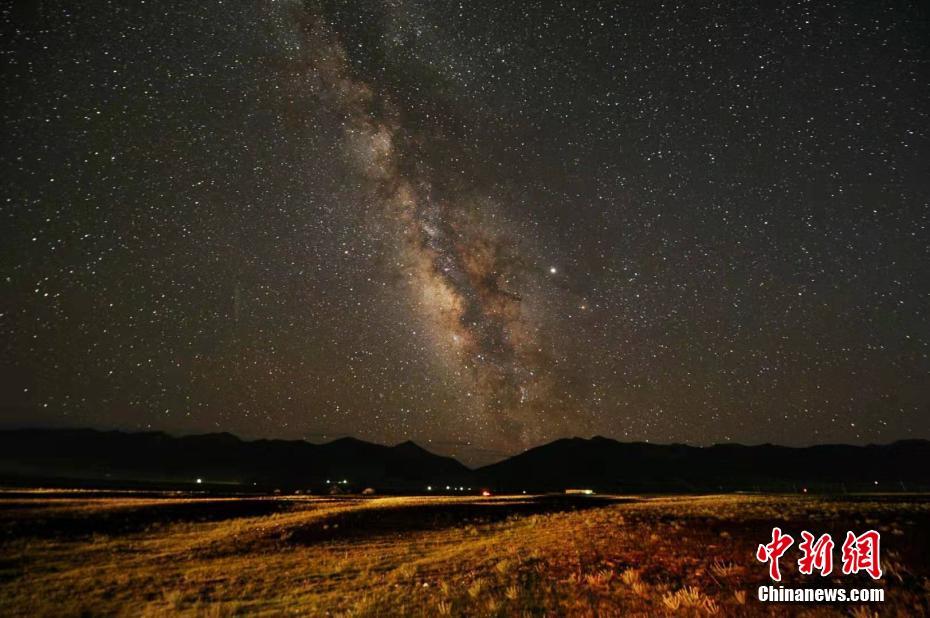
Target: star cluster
<point x="477" y="225"/>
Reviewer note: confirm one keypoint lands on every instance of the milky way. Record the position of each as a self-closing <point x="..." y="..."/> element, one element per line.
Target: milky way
<point x="476" y="225"/>
<point x="464" y="273"/>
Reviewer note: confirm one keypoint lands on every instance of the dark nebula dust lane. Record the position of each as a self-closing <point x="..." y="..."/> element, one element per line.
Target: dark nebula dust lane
<point x="479" y="226"/>
<point x="463" y="272"/>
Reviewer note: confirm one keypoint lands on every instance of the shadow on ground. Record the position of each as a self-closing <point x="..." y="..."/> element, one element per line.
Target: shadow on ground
<point x="18" y="522"/>
<point x="392" y="520"/>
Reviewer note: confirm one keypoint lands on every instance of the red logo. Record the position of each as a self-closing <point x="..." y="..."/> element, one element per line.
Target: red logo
<point x="773" y="551"/>
<point x="859" y="553"/>
<point x="816" y="555"/>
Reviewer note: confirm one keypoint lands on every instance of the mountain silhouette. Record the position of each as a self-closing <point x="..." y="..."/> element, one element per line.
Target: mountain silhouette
<point x="222" y="460"/>
<point x="606" y="464"/>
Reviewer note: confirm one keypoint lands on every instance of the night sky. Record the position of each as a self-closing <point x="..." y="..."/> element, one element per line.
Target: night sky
<point x="477" y="225"/>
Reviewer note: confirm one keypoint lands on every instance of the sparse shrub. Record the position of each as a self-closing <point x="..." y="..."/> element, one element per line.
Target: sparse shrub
<point x="640" y="588"/>
<point x="691" y="596"/>
<point x="710" y="606"/>
<point x="671" y="600"/>
<point x="630" y="576"/>
<point x="600" y="577"/>
<point x="725" y="569"/>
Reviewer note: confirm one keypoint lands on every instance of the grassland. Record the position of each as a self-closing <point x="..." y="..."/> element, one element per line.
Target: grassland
<point x="86" y="553"/>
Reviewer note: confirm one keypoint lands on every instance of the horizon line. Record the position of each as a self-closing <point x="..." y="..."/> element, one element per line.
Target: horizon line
<point x="419" y="445"/>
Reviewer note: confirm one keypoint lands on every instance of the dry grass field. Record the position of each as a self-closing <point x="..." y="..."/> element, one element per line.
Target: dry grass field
<point x="132" y="554"/>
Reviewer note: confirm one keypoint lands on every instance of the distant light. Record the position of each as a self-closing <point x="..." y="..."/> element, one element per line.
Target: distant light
<point x="429" y="488"/>
<point x="485" y="493"/>
<point x="552" y="270"/>
<point x="447" y="488"/>
<point x="328" y="481"/>
<point x="199" y="481"/>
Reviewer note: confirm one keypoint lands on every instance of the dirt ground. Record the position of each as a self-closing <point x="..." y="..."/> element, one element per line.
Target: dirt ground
<point x="73" y="553"/>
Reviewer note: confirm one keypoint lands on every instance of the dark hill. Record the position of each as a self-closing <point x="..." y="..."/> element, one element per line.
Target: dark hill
<point x="221" y="459"/>
<point x="608" y="465"/>
<point x="598" y="463"/>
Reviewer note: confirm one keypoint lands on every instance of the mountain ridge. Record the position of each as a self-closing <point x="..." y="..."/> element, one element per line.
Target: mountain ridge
<point x="599" y="462"/>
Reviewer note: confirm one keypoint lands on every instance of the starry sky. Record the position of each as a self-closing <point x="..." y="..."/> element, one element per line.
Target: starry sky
<point x="478" y="225"/>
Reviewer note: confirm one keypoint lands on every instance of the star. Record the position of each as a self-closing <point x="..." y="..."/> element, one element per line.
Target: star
<point x="468" y="224"/>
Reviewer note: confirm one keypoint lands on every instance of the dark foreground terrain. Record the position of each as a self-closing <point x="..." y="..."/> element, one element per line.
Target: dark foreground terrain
<point x="146" y="553"/>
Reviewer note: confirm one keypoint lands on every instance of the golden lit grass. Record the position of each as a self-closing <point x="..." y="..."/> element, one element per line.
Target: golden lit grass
<point x="439" y="556"/>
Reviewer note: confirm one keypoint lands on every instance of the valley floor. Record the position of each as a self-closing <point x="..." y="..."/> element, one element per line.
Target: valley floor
<point x="89" y="553"/>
